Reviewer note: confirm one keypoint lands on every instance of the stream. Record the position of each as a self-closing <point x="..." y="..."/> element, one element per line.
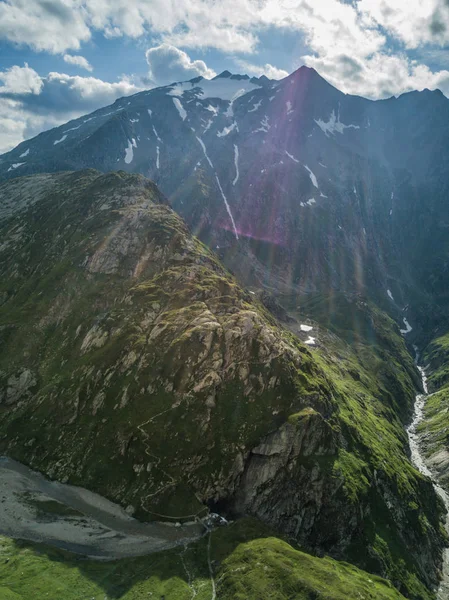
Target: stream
<point x="417" y="459"/>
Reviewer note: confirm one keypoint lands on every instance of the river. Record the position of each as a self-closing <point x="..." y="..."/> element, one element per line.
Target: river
<point x="418" y="460"/>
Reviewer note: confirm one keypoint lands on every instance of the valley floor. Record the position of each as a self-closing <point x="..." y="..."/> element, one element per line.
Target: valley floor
<point x="36" y="509"/>
<point x="239" y="562"/>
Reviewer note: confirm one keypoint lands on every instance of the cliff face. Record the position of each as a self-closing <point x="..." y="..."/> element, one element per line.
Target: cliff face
<point x="134" y="364"/>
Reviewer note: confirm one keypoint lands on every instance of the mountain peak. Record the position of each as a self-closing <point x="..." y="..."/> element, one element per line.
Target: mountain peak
<point x="304" y="71"/>
<point x="223" y="75"/>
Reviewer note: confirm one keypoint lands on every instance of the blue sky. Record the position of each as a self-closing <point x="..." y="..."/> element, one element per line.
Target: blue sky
<point x="63" y="58"/>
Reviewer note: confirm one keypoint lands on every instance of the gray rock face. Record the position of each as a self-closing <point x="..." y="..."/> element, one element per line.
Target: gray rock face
<point x="291" y="459"/>
<point x="18" y="387"/>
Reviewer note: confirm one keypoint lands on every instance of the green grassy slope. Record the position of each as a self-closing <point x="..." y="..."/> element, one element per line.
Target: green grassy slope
<point x="247" y="562"/>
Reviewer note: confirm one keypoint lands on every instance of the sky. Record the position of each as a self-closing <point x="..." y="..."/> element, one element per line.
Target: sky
<point x="60" y="59"/>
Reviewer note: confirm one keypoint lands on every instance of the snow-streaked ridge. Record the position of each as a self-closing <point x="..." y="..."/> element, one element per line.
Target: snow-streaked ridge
<point x="228" y="208"/>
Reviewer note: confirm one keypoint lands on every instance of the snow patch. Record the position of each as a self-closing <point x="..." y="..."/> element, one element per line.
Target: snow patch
<point x="228" y="208"/>
<point x="25" y="153"/>
<point x="310" y="341"/>
<point x="311" y="201"/>
<point x="306" y="328"/>
<point x="180" y="108"/>
<point x="208" y="124"/>
<point x="227" y="130"/>
<point x="64" y="137"/>
<point x="265" y="126"/>
<point x="212" y="109"/>
<point x="312" y="176"/>
<point x="224" y="88"/>
<point x="205" y="152"/>
<point x="289" y="107"/>
<point x="321" y="165"/>
<point x="408" y="327"/>
<point x="157" y="157"/>
<point x="292" y="157"/>
<point x="15" y="166"/>
<point x="134" y="120"/>
<point x="255" y="107"/>
<point x="71" y="129"/>
<point x="390" y="295"/>
<point x="156" y="134"/>
<point x="333" y="125"/>
<point x="236" y="163"/>
<point x="129" y="152"/>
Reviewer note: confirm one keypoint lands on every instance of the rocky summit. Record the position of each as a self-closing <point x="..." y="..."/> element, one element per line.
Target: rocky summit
<point x="212" y="297"/>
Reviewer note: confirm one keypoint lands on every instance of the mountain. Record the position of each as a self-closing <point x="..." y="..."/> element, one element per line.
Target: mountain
<point x="297" y="186"/>
<point x="255" y="359"/>
<point x="135" y="365"/>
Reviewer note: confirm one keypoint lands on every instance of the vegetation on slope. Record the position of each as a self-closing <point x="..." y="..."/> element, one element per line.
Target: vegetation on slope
<point x="246" y="561"/>
<point x="434" y="430"/>
<point x="135" y="365"/>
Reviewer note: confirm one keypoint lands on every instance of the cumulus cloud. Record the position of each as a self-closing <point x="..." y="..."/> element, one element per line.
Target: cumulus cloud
<point x="60" y="25"/>
<point x="349" y="47"/>
<point x="168" y="64"/>
<point x="414" y="22"/>
<point x="257" y="70"/>
<point x="355" y="44"/>
<point x="30" y="103"/>
<point x="20" y="80"/>
<point x="78" y="61"/>
<point x="51" y="25"/>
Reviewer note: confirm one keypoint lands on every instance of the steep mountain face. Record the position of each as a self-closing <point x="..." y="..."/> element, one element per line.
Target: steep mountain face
<point x="297" y="186"/>
<point x="134" y="364"/>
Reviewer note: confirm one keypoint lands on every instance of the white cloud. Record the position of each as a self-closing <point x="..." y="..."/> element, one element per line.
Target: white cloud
<point x="78" y="61"/>
<point x="20" y="80"/>
<point x="228" y="25"/>
<point x="379" y="76"/>
<point x="414" y="22"/>
<point x="351" y="51"/>
<point x="352" y="43"/>
<point x="84" y="93"/>
<point x="257" y="70"/>
<point x="30" y="104"/>
<point x="12" y="125"/>
<point x="51" y="25"/>
<point x="168" y="64"/>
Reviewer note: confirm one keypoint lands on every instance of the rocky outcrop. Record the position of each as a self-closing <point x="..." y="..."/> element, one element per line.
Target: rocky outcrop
<point x="134" y="364"/>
